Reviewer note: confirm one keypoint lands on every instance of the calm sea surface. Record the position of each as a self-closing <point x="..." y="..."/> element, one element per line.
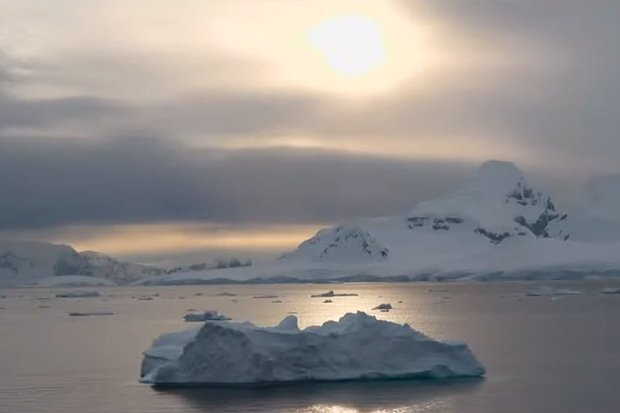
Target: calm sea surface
<point x="542" y="354"/>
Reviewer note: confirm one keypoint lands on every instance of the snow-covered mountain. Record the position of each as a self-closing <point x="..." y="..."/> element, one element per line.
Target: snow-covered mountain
<point x="22" y="261"/>
<point x="31" y="259"/>
<point x="96" y="264"/>
<point x="496" y="226"/>
<point x="495" y="206"/>
<point x="27" y="262"/>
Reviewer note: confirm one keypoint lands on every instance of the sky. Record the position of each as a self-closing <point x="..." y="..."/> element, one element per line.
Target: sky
<point x="161" y="129"/>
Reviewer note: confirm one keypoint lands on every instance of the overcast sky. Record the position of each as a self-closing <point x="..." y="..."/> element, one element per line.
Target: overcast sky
<point x="275" y="117"/>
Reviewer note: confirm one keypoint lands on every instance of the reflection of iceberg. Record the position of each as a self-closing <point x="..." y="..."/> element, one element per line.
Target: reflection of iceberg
<point x="353" y="397"/>
<point x="357" y="347"/>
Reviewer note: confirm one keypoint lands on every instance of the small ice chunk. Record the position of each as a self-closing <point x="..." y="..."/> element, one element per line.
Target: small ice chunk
<point x="264" y="297"/>
<point x="328" y="301"/>
<point x="73" y="281"/>
<point x="610" y="290"/>
<point x="210" y="315"/>
<point x="383" y="307"/>
<point x="331" y="293"/>
<point x="546" y="291"/>
<point x="89" y="313"/>
<point x="78" y="294"/>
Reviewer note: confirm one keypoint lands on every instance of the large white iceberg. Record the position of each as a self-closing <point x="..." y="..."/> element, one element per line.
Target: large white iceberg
<point x="357" y="347"/>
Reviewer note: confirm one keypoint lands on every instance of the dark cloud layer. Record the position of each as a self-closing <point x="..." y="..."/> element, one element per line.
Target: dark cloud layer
<point x="55" y="182"/>
<point x="535" y="77"/>
<point x="55" y="111"/>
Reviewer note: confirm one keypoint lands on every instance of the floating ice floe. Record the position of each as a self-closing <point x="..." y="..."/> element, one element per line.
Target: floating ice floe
<point x="331" y="293"/>
<point x="89" y="313"/>
<point x="78" y="294"/>
<point x="264" y="297"/>
<point x="610" y="290"/>
<point x="357" y="347"/>
<point x="211" y="315"/>
<point x="438" y="290"/>
<point x="545" y="291"/>
<point x="73" y="281"/>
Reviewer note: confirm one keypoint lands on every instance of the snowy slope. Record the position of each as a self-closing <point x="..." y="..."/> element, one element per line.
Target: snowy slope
<point x="96" y="264"/>
<point x="31" y="259"/>
<point x="596" y="217"/>
<point x="356" y="347"/>
<point x="23" y="262"/>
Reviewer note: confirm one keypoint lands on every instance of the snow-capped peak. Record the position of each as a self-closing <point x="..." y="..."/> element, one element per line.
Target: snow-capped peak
<point x="495" y="205"/>
<point x="497" y="178"/>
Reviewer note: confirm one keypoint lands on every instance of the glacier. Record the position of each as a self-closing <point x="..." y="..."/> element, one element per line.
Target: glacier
<point x="356" y="347"/>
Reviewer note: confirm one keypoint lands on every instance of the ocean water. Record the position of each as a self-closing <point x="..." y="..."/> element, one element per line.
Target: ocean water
<point x="542" y="354"/>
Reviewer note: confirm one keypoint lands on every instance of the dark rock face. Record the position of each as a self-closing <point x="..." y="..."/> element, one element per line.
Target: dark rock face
<point x="417" y="222"/>
<point x="438" y="224"/>
<point x="528" y="212"/>
<point x="495" y="238"/>
<point x="540" y="226"/>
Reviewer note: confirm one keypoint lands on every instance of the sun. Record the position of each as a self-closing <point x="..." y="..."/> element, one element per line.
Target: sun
<point x="352" y="45"/>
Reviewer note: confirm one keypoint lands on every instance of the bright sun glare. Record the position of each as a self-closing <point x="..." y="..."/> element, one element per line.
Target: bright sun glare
<point x="352" y="45"/>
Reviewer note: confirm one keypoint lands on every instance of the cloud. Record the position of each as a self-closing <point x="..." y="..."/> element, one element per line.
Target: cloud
<point x="44" y="113"/>
<point x="533" y="81"/>
<point x="50" y="182"/>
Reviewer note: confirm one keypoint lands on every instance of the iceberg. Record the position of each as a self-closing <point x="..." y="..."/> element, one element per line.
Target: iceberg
<point x="546" y="291"/>
<point x="331" y="293"/>
<point x="211" y="315"/>
<point x="78" y="294"/>
<point x="357" y="347"/>
<point x="89" y="313"/>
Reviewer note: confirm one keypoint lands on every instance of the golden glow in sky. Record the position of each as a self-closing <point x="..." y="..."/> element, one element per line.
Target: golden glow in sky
<point x="345" y="48"/>
<point x="352" y="45"/>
